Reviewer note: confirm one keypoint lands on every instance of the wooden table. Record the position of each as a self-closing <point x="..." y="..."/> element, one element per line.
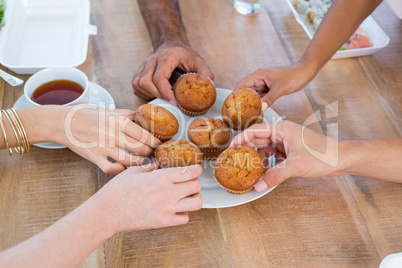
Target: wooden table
<point x="345" y="221"/>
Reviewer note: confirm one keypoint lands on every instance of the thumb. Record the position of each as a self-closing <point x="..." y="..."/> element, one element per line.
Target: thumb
<point x="269" y="98"/>
<point x="161" y="80"/>
<point x="273" y="176"/>
<point x="204" y="70"/>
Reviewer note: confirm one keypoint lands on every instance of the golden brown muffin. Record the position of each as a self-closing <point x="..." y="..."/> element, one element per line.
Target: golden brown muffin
<point x="238" y="169"/>
<point x="178" y="153"/>
<point x="157" y="120"/>
<point x="242" y="109"/>
<point x="211" y="135"/>
<point x="194" y="94"/>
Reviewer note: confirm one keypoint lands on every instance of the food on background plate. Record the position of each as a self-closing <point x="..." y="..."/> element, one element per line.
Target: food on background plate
<point x="211" y="135"/>
<point x="157" y="120"/>
<point x="194" y="94"/>
<point x="242" y="109"/>
<point x="313" y="11"/>
<point x="360" y="39"/>
<point x="2" y="10"/>
<point x="178" y="153"/>
<point x="238" y="169"/>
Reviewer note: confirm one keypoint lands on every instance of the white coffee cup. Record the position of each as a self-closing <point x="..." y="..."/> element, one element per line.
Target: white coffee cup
<point x="57" y="73"/>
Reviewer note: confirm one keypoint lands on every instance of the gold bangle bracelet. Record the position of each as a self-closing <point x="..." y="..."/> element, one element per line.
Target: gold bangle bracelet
<point x="18" y="129"/>
<point x="4" y="133"/>
<point x="24" y="133"/>
<point x="19" y="136"/>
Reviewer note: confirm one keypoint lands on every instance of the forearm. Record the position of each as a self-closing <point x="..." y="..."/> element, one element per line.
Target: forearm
<point x="67" y="242"/>
<point x="378" y="159"/>
<point x="338" y="25"/>
<point x="40" y="124"/>
<point x="163" y="20"/>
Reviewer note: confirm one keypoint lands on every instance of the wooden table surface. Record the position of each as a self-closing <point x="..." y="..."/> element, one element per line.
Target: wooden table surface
<point x="346" y="221"/>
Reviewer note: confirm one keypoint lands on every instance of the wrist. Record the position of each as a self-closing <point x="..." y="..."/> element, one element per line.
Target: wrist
<point x="43" y="124"/>
<point x="309" y="67"/>
<point x="169" y="43"/>
<point x="351" y="156"/>
<point x="103" y="205"/>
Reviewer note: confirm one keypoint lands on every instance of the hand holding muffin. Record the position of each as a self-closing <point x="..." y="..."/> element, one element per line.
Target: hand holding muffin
<point x="272" y="83"/>
<point x="152" y="79"/>
<point x="284" y="140"/>
<point x="172" y="51"/>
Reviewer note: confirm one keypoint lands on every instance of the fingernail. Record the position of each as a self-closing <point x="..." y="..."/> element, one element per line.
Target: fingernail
<point x="173" y="102"/>
<point x="264" y="106"/>
<point x="261" y="186"/>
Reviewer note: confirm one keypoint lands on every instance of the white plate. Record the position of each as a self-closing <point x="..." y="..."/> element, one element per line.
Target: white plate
<point x="213" y="195"/>
<point x="45" y="33"/>
<point x="392" y="261"/>
<point x="98" y="97"/>
<point x="376" y="35"/>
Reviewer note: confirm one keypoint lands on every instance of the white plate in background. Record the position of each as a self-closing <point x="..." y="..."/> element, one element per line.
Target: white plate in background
<point x="392" y="261"/>
<point x="45" y="33"/>
<point x="98" y="97"/>
<point x="213" y="195"/>
<point x="376" y="35"/>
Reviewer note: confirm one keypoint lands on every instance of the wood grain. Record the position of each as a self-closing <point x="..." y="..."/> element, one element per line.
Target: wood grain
<point x="321" y="222"/>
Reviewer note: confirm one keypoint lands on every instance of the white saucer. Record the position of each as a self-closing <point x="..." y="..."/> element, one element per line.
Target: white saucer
<point x="213" y="195"/>
<point x="98" y="97"/>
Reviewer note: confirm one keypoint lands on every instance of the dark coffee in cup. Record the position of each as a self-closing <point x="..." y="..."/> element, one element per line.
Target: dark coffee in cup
<point x="57" y="92"/>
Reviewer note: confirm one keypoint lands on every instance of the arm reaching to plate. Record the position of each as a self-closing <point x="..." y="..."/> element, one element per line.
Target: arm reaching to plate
<point x="302" y="152"/>
<point x="172" y="51"/>
<point x="337" y="26"/>
<point x="94" y="133"/>
<point x="138" y="198"/>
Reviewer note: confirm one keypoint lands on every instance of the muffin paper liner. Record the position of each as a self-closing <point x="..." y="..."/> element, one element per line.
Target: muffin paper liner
<point x="234" y="191"/>
<point x="189" y="113"/>
<point x="210" y="154"/>
<point x="163" y="138"/>
<point x="238" y="192"/>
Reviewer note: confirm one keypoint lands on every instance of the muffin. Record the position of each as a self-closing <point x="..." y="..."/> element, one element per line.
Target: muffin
<point x="157" y="120"/>
<point x="194" y="94"/>
<point x="211" y="135"/>
<point x="178" y="153"/>
<point x="242" y="108"/>
<point x="238" y="169"/>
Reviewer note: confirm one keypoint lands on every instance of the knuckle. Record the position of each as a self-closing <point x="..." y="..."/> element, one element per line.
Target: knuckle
<point x="145" y="83"/>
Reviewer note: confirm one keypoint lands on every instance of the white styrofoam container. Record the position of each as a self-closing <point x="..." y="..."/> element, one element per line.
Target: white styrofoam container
<point x="377" y="36"/>
<point x="45" y="33"/>
<point x="392" y="261"/>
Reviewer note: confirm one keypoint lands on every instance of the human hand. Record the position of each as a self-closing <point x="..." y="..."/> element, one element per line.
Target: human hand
<point x="272" y="83"/>
<point x="152" y="79"/>
<point x="146" y="198"/>
<point x="300" y="152"/>
<point x="98" y="134"/>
